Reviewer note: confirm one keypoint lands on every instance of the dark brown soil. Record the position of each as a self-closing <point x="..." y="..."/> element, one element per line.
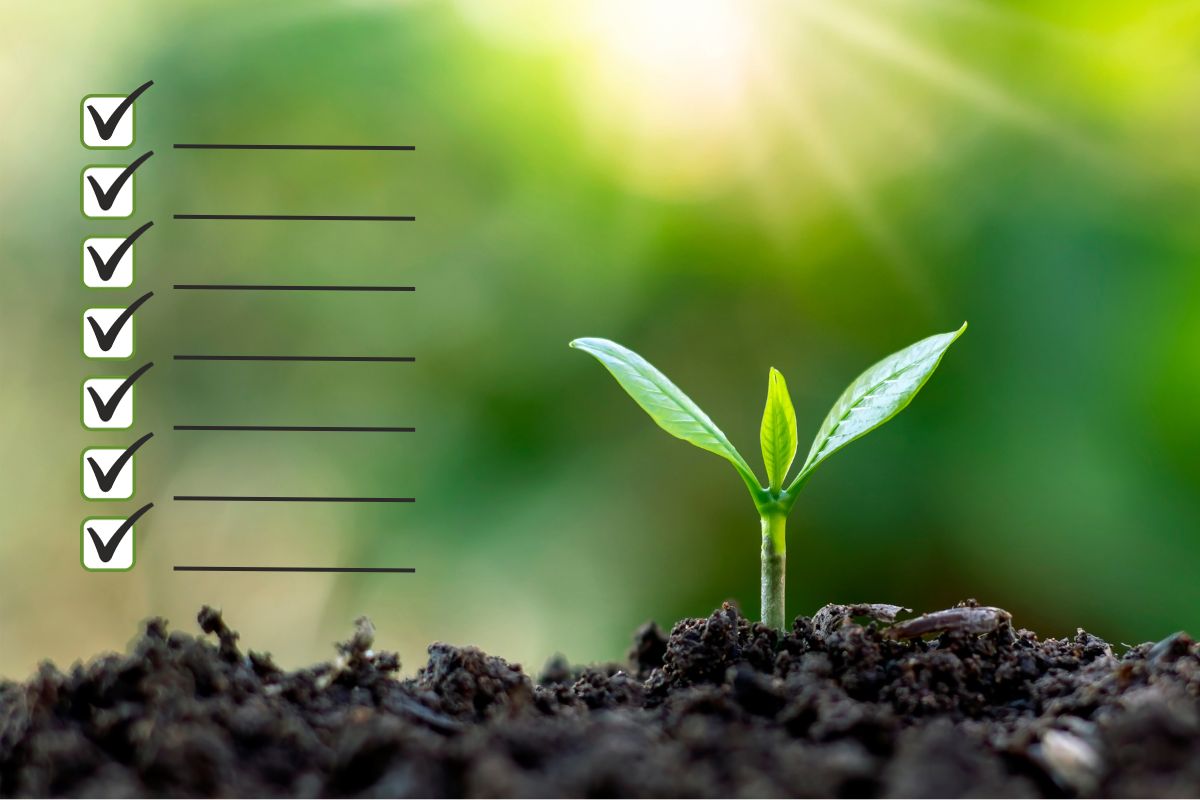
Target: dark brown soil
<point x="843" y="705"/>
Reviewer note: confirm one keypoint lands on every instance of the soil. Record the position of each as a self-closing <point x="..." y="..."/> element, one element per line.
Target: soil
<point x="848" y="703"/>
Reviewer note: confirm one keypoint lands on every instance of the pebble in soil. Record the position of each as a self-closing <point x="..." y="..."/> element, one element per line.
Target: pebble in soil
<point x="849" y="702"/>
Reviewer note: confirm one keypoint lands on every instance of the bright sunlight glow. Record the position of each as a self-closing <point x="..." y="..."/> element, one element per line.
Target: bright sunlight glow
<point x="682" y="99"/>
<point x="665" y="77"/>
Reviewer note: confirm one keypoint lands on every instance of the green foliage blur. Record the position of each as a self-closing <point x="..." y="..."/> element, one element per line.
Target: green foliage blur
<point x="722" y="186"/>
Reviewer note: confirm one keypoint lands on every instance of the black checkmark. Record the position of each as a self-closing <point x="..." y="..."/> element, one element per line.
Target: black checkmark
<point x="107" y="551"/>
<point x="105" y="269"/>
<point x="107" y="338"/>
<point x="106" y="197"/>
<point x="106" y="409"/>
<point x="107" y="127"/>
<point x="105" y="480"/>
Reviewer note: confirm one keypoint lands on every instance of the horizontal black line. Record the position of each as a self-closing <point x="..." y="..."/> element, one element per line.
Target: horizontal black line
<point x="404" y="359"/>
<point x="295" y="147"/>
<point x="316" y="428"/>
<point x="184" y="568"/>
<point x="304" y="217"/>
<point x="281" y="287"/>
<point x="215" y="498"/>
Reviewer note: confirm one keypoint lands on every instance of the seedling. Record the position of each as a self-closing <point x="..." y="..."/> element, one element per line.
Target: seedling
<point x="872" y="399"/>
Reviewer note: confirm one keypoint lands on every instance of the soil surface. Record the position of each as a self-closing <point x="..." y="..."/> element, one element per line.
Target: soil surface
<point x="848" y="703"/>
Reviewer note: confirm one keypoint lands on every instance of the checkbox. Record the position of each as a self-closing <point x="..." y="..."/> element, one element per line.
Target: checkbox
<point x="107" y="192"/>
<point x="104" y="545"/>
<point x="107" y="543"/>
<point x="107" y="263"/>
<point x="106" y="120"/>
<point x="107" y="474"/>
<point x="106" y="114"/>
<point x="107" y="333"/>
<point x="105" y="410"/>
<point x="106" y="403"/>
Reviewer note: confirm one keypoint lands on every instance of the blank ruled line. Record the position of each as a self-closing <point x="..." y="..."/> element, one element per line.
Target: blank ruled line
<point x="192" y="568"/>
<point x="303" y="217"/>
<point x="291" y="287"/>
<point x="191" y="146"/>
<point x="217" y="498"/>
<point x="293" y="428"/>
<point x="374" y="359"/>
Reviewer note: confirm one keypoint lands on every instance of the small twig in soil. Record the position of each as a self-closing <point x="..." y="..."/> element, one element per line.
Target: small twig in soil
<point x="833" y="616"/>
<point x="969" y="619"/>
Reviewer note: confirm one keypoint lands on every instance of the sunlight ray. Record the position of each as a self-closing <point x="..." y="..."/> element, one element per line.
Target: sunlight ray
<point x="993" y="16"/>
<point x="887" y="44"/>
<point x="829" y="159"/>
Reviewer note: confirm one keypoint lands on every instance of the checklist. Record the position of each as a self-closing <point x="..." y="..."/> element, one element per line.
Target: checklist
<point x="108" y="330"/>
<point x="114" y="324"/>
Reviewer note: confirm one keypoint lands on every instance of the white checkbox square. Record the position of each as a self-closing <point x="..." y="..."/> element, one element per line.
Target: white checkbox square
<point x="119" y="481"/>
<point x="120" y="413"/>
<point x="110" y="537"/>
<point x="119" y="204"/>
<point x="99" y="323"/>
<point x="106" y="106"/>
<point x="105" y="248"/>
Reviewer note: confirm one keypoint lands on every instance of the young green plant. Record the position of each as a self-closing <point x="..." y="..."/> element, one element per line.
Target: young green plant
<point x="872" y="399"/>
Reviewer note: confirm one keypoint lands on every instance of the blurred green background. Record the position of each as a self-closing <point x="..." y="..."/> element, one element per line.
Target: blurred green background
<point x="723" y="186"/>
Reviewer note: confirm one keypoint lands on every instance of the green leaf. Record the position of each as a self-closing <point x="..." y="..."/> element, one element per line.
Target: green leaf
<point x="673" y="410"/>
<point x="778" y="433"/>
<point x="876" y="396"/>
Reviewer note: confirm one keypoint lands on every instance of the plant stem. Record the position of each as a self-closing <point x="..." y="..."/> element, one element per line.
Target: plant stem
<point x="774" y="558"/>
